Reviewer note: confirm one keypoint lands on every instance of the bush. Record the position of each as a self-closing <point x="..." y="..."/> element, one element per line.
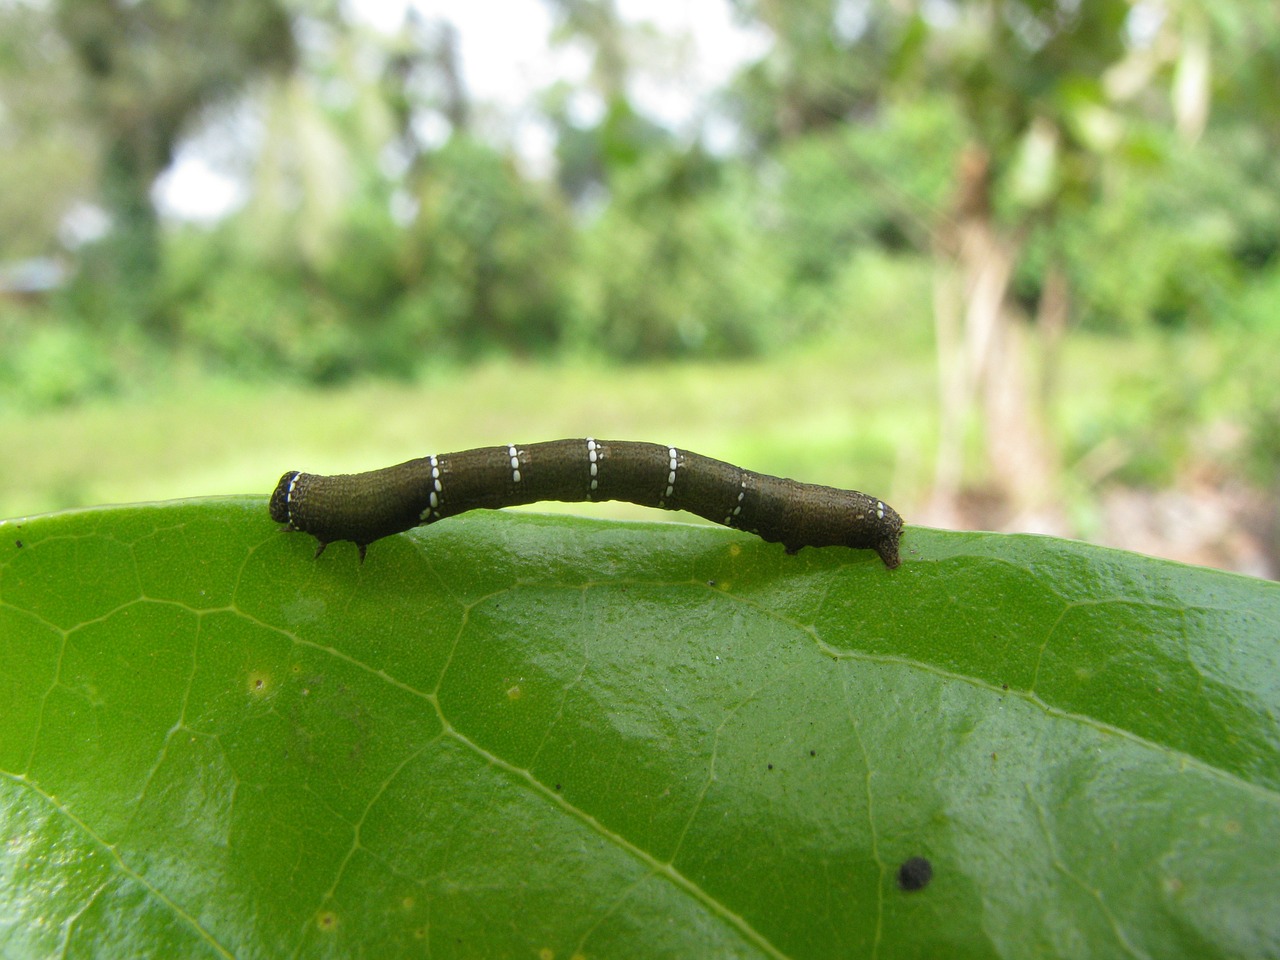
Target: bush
<point x="670" y="270"/>
<point x="1178" y="239"/>
<point x="487" y="258"/>
<point x="49" y="361"/>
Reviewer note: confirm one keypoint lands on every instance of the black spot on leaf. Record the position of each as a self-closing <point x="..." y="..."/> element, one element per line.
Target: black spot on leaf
<point x="915" y="874"/>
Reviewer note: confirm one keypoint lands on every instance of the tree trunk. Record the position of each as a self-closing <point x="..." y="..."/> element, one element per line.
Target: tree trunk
<point x="983" y="363"/>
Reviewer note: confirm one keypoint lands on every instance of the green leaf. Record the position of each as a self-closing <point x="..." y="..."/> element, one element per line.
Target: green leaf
<point x="513" y="735"/>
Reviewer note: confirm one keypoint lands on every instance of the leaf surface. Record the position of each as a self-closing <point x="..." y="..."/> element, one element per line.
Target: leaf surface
<point x="514" y="735"/>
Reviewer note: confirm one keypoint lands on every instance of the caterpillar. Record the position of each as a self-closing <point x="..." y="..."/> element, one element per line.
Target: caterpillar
<point x="364" y="507"/>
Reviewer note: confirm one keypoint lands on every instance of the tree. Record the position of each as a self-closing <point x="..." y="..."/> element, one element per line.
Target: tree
<point x="46" y="160"/>
<point x="147" y="68"/>
<point x="1045" y="90"/>
<point x="831" y="62"/>
<point x="591" y="156"/>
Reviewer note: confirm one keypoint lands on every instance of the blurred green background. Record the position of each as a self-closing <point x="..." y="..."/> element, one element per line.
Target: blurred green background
<point x="1011" y="264"/>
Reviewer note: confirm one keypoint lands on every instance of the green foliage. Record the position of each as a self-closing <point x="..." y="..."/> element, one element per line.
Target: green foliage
<point x="365" y="249"/>
<point x="873" y="296"/>
<point x="46" y="158"/>
<point x="509" y="735"/>
<point x="863" y="186"/>
<point x="366" y="271"/>
<point x="489" y="252"/>
<point x="589" y="158"/>
<point x="146" y="70"/>
<point x="1256" y="392"/>
<point x="480" y="268"/>
<point x="257" y="319"/>
<point x="677" y="266"/>
<point x="258" y="325"/>
<point x="829" y="62"/>
<point x="1150" y="419"/>
<point x="857" y="191"/>
<point x="1187" y="235"/>
<point x="47" y="361"/>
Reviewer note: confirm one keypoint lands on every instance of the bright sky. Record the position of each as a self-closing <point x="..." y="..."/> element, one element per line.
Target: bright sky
<point x="506" y="59"/>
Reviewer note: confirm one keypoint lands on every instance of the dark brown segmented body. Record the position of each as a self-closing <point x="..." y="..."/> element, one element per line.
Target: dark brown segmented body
<point x="364" y="507"/>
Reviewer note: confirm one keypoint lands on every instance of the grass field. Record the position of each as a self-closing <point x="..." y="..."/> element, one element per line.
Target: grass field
<point x="861" y="414"/>
<point x="817" y="415"/>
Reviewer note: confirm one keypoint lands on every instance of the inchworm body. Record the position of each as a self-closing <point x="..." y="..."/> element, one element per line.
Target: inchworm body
<point x="364" y="507"/>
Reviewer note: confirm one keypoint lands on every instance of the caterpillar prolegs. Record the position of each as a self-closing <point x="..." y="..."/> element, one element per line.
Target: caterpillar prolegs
<point x="364" y="507"/>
